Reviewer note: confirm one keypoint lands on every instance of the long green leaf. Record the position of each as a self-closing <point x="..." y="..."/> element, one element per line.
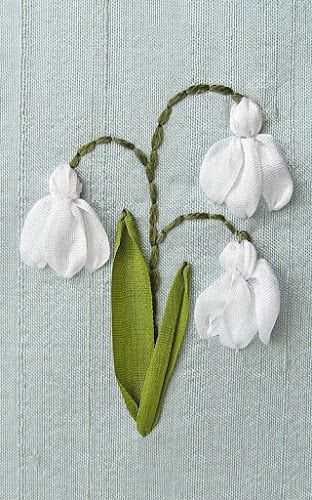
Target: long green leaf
<point x="132" y="313"/>
<point x="166" y="351"/>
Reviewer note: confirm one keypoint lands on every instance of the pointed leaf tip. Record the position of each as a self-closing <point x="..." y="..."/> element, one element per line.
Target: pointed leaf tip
<point x="166" y="352"/>
<point x="132" y="313"/>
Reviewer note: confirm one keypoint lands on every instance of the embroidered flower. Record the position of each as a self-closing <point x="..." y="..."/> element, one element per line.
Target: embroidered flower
<point x="244" y="301"/>
<point x="237" y="171"/>
<point x="62" y="230"/>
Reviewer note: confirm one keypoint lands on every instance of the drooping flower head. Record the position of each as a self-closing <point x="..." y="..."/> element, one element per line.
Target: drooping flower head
<point x="62" y="230"/>
<point x="241" y="303"/>
<point x="238" y="170"/>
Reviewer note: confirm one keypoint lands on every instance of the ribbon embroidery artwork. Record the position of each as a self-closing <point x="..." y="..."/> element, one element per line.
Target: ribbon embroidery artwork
<point x="237" y="171"/>
<point x="243" y="302"/>
<point x="63" y="231"/>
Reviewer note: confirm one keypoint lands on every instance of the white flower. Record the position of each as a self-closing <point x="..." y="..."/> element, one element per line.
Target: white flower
<point x="62" y="230"/>
<point x="237" y="171"/>
<point x="244" y="301"/>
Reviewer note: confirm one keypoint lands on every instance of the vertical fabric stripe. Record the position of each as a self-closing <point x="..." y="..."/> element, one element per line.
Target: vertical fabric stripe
<point x="233" y="426"/>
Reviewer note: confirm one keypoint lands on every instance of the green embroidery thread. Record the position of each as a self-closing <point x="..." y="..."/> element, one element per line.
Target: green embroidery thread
<point x="240" y="235"/>
<point x="144" y="359"/>
<point x="156" y="142"/>
<point x="107" y="139"/>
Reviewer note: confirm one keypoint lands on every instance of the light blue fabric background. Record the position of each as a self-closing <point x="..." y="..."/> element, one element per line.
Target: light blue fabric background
<point x="234" y="426"/>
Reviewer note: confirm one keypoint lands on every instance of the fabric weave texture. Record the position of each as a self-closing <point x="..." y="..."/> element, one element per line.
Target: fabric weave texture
<point x="234" y="426"/>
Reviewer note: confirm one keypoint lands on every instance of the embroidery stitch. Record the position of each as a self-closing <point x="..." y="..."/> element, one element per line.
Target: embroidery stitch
<point x="237" y="171"/>
<point x="241" y="235"/>
<point x="243" y="302"/>
<point x="144" y="358"/>
<point x="107" y="139"/>
<point x="62" y="230"/>
<point x="156" y="142"/>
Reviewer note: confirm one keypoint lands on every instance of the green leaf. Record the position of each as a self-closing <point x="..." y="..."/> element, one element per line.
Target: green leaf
<point x="132" y="313"/>
<point x="166" y="352"/>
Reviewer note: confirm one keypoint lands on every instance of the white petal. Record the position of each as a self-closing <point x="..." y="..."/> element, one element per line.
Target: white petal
<point x="209" y="307"/>
<point x="247" y="258"/>
<point x="66" y="239"/>
<point x="239" y="315"/>
<point x="244" y="197"/>
<point x="277" y="183"/>
<point x="97" y="240"/>
<point x="246" y="118"/>
<point x="229" y="256"/>
<point x="64" y="183"/>
<point x="267" y="299"/>
<point x="32" y="244"/>
<point x="241" y="257"/>
<point x="220" y="168"/>
<point x="225" y="336"/>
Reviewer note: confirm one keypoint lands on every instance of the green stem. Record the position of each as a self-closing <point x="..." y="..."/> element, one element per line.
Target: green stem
<point x="107" y="139"/>
<point x="150" y="163"/>
<point x="151" y="167"/>
<point x="241" y="235"/>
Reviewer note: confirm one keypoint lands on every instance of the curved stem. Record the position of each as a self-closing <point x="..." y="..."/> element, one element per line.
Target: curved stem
<point x="150" y="163"/>
<point x="241" y="235"/>
<point x="151" y="167"/>
<point x="107" y="139"/>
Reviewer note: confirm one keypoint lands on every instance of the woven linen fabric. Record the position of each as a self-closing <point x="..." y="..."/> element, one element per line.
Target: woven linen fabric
<point x="234" y="426"/>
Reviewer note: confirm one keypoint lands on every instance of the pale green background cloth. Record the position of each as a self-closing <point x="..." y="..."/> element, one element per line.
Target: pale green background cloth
<point x="234" y="426"/>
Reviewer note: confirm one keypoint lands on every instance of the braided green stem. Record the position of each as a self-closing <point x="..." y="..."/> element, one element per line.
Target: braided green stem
<point x="241" y="235"/>
<point x="107" y="139"/>
<point x="150" y="163"/>
<point x="151" y="167"/>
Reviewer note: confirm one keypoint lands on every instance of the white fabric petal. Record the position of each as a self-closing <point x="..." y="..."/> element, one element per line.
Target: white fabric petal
<point x="64" y="183"/>
<point x="220" y="168"/>
<point x="63" y="231"/>
<point x="244" y="301"/>
<point x="244" y="197"/>
<point x="209" y="307"/>
<point x="246" y="118"/>
<point x="32" y="244"/>
<point x="239" y="256"/>
<point x="229" y="256"/>
<point x="238" y="171"/>
<point x="66" y="239"/>
<point x="277" y="183"/>
<point x="267" y="299"/>
<point x="239" y="315"/>
<point x="225" y="336"/>
<point x="97" y="240"/>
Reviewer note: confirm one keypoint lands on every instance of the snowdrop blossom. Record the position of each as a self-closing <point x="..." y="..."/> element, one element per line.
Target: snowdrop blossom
<point x="242" y="302"/>
<point x="238" y="170"/>
<point x="62" y="230"/>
